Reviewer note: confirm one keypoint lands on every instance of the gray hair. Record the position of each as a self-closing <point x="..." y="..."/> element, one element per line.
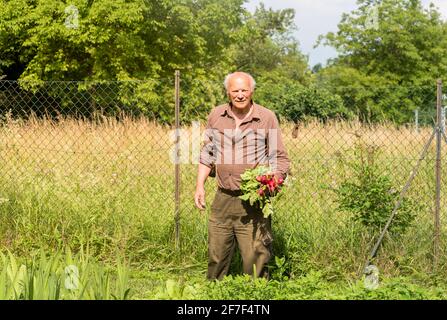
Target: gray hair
<point x="229" y="76"/>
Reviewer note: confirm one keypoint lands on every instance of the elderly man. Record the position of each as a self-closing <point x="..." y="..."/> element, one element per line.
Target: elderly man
<point x="240" y="135"/>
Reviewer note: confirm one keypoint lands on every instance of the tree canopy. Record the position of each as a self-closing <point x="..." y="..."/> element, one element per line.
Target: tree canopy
<point x="383" y="71"/>
<point x="386" y="70"/>
<point x="147" y="40"/>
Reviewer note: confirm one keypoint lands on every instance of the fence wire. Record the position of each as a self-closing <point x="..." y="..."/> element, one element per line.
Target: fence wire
<point x="92" y="163"/>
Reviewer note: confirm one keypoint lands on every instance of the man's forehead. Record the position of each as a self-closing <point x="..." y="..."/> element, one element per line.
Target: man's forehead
<point x="237" y="80"/>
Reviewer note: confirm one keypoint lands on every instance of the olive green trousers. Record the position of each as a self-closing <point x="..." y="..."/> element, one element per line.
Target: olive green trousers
<point x="234" y="221"/>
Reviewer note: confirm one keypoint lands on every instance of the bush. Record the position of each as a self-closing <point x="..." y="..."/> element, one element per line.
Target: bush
<point x="371" y="196"/>
<point x="295" y="102"/>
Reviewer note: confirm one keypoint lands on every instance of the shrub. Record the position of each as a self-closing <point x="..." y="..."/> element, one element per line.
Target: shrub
<point x="370" y="196"/>
<point x="295" y="102"/>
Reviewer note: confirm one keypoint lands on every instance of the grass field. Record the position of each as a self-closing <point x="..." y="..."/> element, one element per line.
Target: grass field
<point x="107" y="190"/>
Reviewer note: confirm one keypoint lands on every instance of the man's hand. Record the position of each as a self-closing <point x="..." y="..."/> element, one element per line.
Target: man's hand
<point x="199" y="198"/>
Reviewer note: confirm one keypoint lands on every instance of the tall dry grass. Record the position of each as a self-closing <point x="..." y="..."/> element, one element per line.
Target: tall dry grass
<point x="108" y="186"/>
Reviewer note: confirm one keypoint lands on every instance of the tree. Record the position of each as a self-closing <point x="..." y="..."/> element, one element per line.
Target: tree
<point x="398" y="59"/>
<point x="297" y="103"/>
<point x="144" y="41"/>
<point x="266" y="44"/>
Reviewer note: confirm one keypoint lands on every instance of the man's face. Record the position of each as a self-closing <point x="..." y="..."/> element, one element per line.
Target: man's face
<point x="240" y="92"/>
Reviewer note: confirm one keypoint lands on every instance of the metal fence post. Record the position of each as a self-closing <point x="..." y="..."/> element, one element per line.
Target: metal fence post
<point x="177" y="157"/>
<point x="438" y="175"/>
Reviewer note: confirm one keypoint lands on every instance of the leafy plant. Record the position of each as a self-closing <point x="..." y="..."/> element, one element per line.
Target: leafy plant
<point x="177" y="290"/>
<point x="279" y="269"/>
<point x="370" y="196"/>
<point x="260" y="187"/>
<point x="297" y="103"/>
<point x="46" y="277"/>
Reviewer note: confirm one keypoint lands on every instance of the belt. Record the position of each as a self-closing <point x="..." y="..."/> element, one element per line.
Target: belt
<point x="234" y="193"/>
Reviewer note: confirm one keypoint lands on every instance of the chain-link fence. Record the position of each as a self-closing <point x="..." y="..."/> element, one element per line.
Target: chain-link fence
<point x="91" y="164"/>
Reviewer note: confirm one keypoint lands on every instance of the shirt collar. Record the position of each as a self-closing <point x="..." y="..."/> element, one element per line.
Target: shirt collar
<point x="254" y="114"/>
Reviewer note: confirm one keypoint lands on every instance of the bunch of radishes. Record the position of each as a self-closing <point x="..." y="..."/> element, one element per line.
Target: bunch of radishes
<point x="270" y="185"/>
<point x="260" y="186"/>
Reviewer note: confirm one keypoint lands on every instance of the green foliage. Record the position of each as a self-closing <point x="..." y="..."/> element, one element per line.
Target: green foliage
<point x="250" y="185"/>
<point x="399" y="288"/>
<point x="370" y="196"/>
<point x="261" y="188"/>
<point x="314" y="286"/>
<point x="387" y="71"/>
<point x="43" y="277"/>
<point x="105" y="198"/>
<point x="141" y="43"/>
<point x="242" y="288"/>
<point x="177" y="290"/>
<point x="295" y="102"/>
<point x="57" y="277"/>
<point x="373" y="99"/>
<point x="382" y="73"/>
<point x="278" y="272"/>
<point x="407" y="45"/>
<point x="266" y="45"/>
<point x="115" y="40"/>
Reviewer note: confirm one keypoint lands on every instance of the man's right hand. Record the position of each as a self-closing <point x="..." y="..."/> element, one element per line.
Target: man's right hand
<point x="199" y="198"/>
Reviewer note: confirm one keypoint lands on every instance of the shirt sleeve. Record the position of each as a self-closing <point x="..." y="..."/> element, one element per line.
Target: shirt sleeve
<point x="208" y="150"/>
<point x="278" y="157"/>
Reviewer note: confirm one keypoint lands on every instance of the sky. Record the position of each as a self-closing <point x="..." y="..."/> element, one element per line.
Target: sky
<point x="315" y="17"/>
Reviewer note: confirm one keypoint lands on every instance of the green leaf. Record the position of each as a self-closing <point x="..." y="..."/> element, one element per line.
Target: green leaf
<point x="245" y="197"/>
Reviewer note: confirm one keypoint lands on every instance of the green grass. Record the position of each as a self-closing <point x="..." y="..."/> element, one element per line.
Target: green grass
<point x="312" y="286"/>
<point x="60" y="277"/>
<point x="47" y="276"/>
<point x="108" y="190"/>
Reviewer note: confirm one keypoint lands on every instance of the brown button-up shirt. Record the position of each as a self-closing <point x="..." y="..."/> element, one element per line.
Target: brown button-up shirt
<point x="257" y="141"/>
